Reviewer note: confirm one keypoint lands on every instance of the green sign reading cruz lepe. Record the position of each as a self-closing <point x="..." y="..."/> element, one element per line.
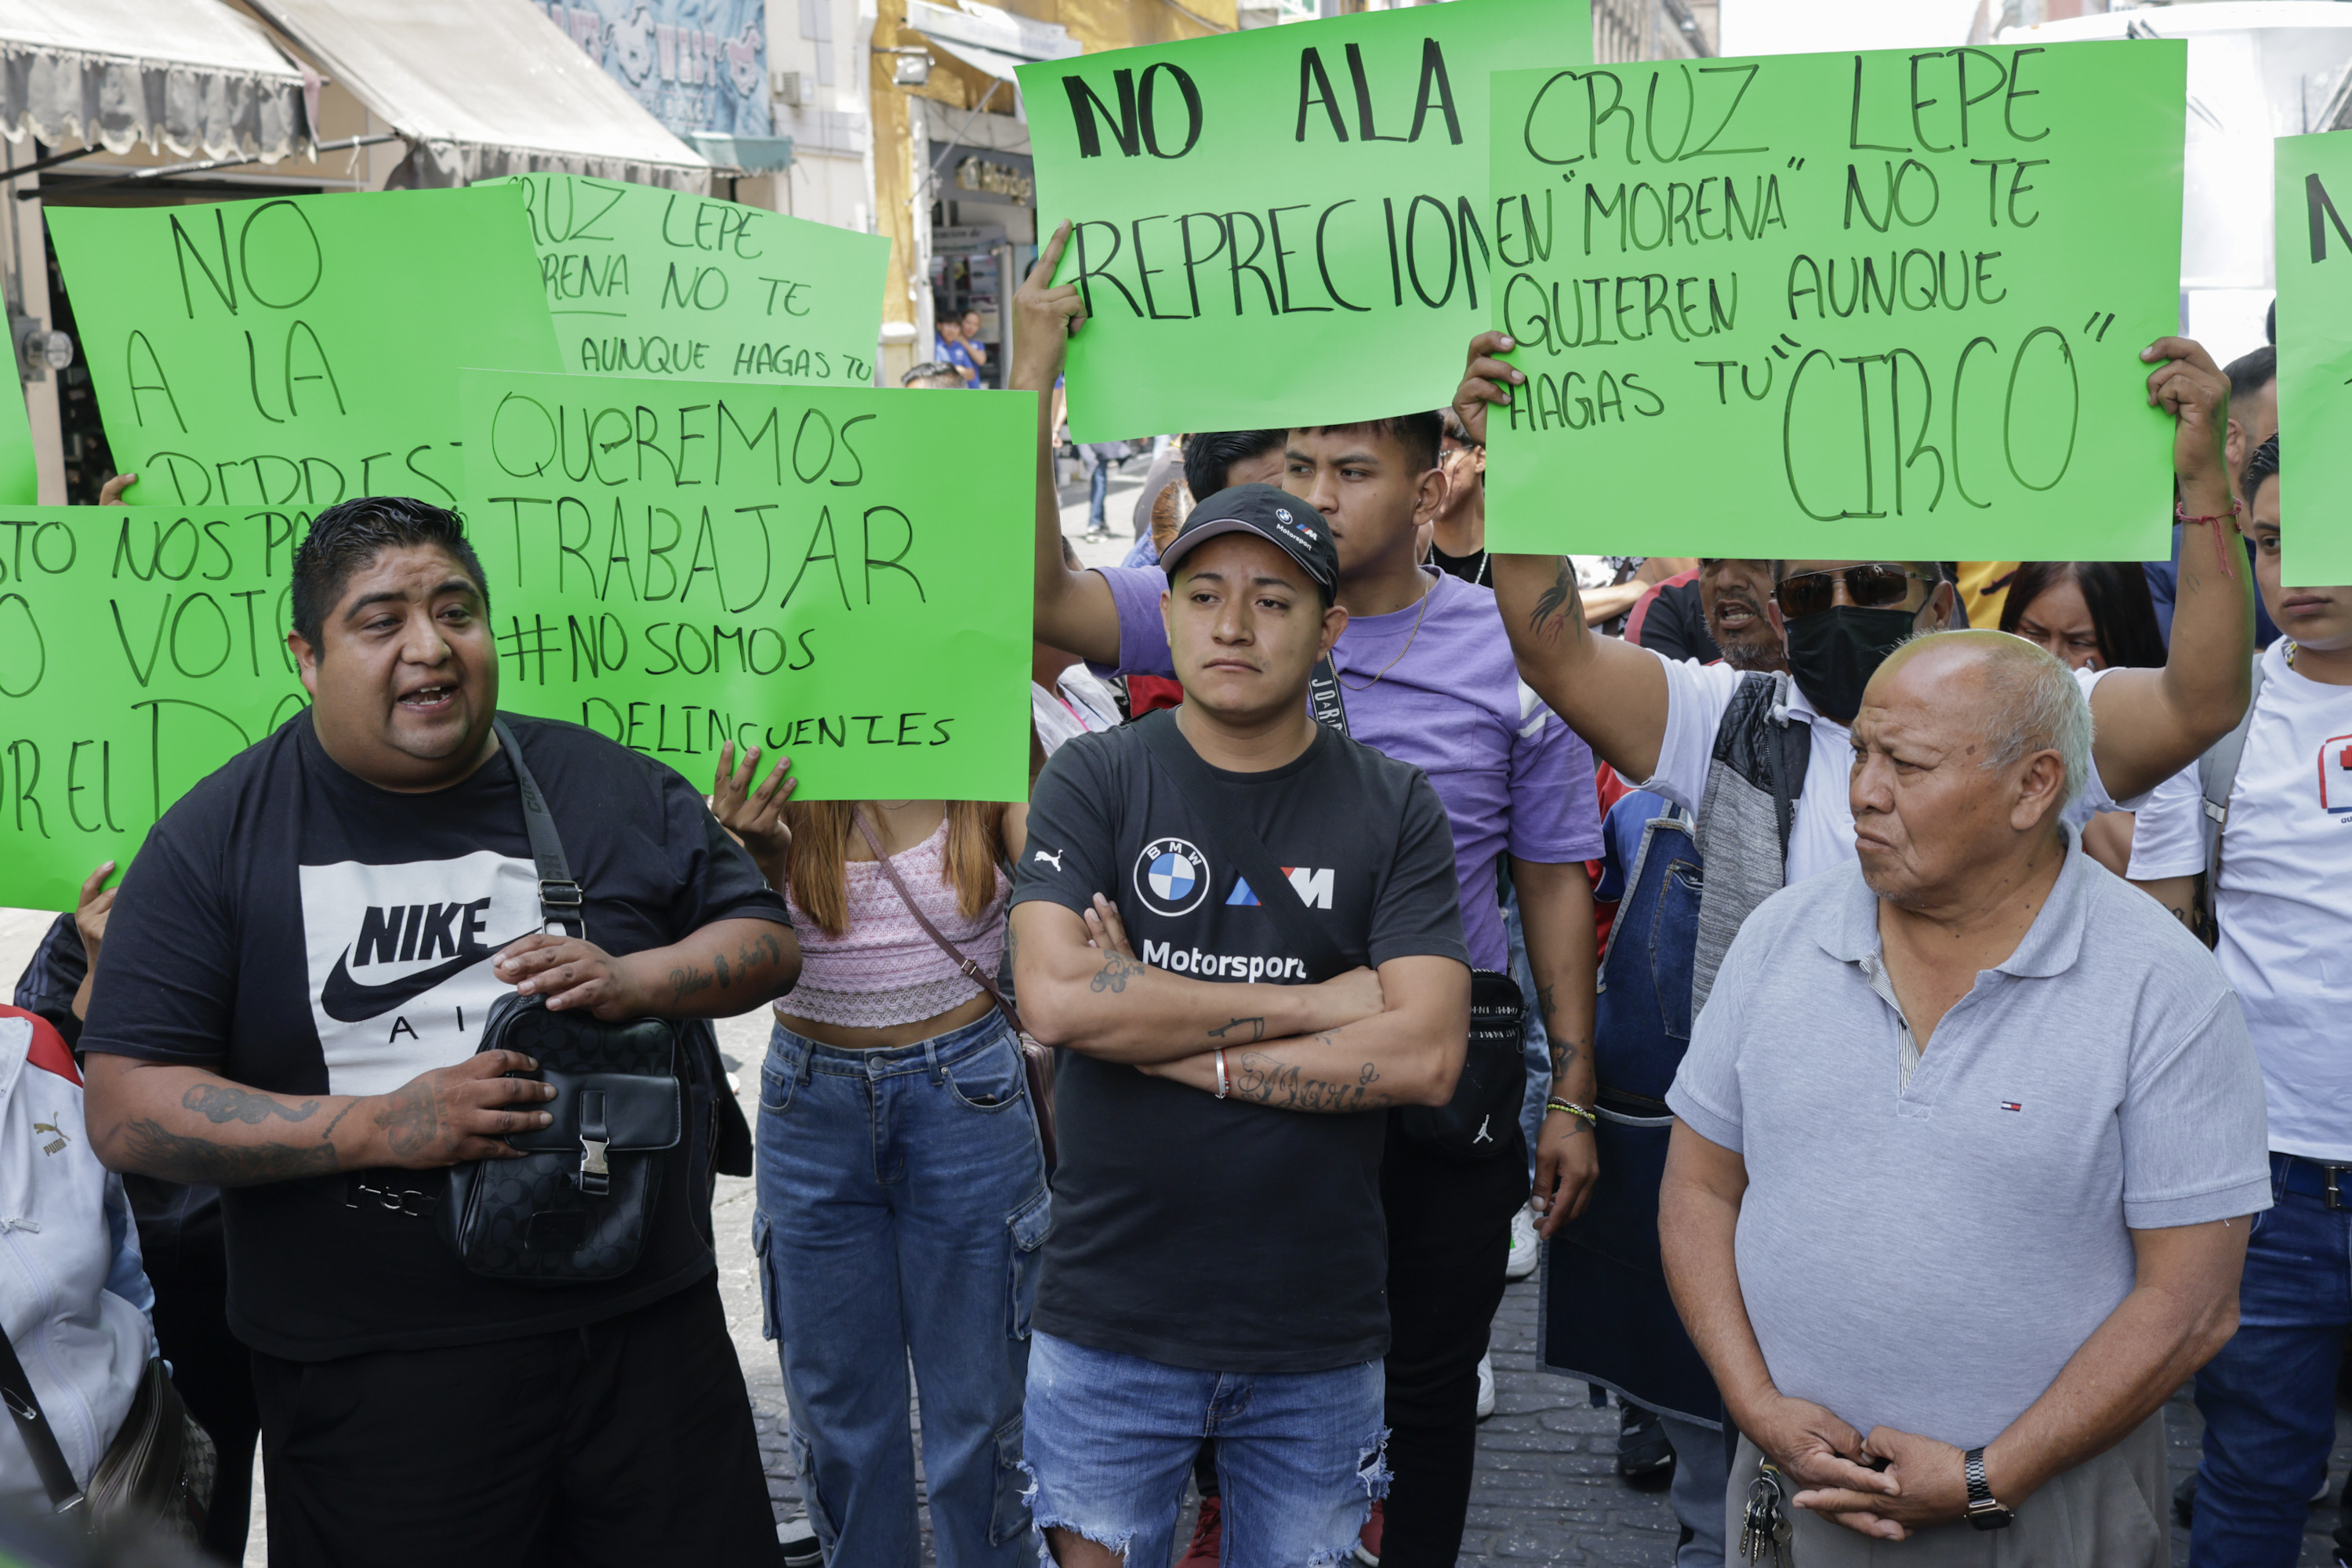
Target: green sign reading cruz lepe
<point x="139" y="649"/>
<point x="1282" y="226"/>
<point x="2314" y="357"/>
<point x="1815" y="305"/>
<point x="838" y="574"/>
<point x="659" y="283"/>
<point x="296" y="352"/>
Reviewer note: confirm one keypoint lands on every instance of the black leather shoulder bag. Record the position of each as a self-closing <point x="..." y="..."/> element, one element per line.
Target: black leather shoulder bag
<point x="576" y="1207"/>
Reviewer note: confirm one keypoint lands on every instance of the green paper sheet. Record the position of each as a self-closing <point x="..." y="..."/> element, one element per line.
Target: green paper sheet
<point x="1282" y="226"/>
<point x="139" y="649"/>
<point x="659" y="283"/>
<point x="1839" y="306"/>
<point x="2314" y="357"/>
<point x="841" y="574"/>
<point x="296" y="352"/>
<point x="20" y="483"/>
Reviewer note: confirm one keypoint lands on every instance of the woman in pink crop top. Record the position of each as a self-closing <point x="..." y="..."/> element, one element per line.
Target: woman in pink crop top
<point x="902" y="1187"/>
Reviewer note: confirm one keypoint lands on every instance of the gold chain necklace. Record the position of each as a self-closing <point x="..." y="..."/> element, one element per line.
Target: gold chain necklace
<point x="1428" y="593"/>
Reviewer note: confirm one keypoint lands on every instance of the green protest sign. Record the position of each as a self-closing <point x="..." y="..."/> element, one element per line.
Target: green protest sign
<point x="1810" y="305"/>
<point x="139" y="649"/>
<point x="659" y="283"/>
<point x="20" y="483"/>
<point x="296" y="352"/>
<point x="840" y="575"/>
<point x="2315" y="356"/>
<point x="1282" y="226"/>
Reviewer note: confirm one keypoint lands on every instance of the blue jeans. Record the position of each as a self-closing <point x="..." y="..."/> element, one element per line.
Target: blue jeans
<point x="1112" y="1439"/>
<point x="2269" y="1398"/>
<point x="902" y="1207"/>
<point x="1539" y="1044"/>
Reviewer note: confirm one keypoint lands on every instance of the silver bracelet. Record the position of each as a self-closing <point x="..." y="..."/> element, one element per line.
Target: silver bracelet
<point x="1223" y="1085"/>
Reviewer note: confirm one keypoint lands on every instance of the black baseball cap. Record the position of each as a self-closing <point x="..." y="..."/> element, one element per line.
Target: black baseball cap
<point x="1272" y="514"/>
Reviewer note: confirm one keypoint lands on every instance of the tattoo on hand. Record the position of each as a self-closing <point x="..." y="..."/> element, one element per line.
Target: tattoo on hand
<point x="1256" y="1026"/>
<point x="1284" y="1087"/>
<point x="410" y="1119"/>
<point x="1114" y="973"/>
<point x="219" y="1103"/>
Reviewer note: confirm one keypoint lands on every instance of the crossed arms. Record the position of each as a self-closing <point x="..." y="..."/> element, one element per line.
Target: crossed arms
<point x="1361" y="1041"/>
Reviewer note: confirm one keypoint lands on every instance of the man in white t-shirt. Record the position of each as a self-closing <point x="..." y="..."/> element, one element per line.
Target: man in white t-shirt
<point x="2269" y="1398"/>
<point x="1660" y="722"/>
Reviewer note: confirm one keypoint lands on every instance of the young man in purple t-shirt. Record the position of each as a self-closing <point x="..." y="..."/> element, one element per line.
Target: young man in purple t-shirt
<point x="1426" y="675"/>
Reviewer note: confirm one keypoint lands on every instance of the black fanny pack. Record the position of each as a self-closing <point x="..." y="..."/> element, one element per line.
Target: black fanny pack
<point x="1476" y="1123"/>
<point x="576" y="1207"/>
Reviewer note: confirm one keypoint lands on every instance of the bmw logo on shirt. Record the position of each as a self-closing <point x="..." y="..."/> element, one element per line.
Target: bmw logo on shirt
<point x="1171" y="877"/>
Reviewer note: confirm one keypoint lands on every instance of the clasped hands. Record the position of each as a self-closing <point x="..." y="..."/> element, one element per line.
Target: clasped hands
<point x="1885" y="1485"/>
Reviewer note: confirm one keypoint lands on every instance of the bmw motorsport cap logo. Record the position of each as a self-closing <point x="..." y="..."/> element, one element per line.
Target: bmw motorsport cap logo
<point x="1271" y="513"/>
<point x="1171" y="877"/>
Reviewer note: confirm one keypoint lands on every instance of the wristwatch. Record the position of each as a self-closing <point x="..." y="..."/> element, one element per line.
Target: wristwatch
<point x="1984" y="1513"/>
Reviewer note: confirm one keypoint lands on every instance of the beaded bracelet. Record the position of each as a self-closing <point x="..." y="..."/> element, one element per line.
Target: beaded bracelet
<point x="1556" y="1103"/>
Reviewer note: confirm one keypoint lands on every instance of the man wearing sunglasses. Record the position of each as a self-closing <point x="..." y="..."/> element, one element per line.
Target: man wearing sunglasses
<point x="1763" y="763"/>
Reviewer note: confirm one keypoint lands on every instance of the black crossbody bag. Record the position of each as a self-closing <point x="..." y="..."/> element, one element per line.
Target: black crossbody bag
<point x="575" y="1208"/>
<point x="1475" y="1125"/>
<point x="158" y="1470"/>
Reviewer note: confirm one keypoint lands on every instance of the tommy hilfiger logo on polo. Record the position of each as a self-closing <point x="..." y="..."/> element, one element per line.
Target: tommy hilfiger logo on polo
<point x="1171" y="877"/>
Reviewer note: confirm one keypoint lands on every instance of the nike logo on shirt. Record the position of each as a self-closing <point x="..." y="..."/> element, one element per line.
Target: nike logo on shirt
<point x="347" y="1001"/>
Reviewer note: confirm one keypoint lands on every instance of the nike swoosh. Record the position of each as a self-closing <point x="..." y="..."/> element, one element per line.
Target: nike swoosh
<point x="347" y="1001"/>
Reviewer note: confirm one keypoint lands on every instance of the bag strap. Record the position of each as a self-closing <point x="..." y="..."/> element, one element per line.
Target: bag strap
<point x="560" y="897"/>
<point x="2217" y="771"/>
<point x="1280" y="900"/>
<point x="971" y="971"/>
<point x="1323" y="699"/>
<point x="16" y="1389"/>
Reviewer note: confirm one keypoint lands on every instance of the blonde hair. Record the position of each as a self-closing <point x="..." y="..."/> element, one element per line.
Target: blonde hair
<point x="819" y="846"/>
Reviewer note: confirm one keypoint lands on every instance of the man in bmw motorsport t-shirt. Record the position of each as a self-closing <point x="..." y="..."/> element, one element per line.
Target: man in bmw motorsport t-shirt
<point x="293" y="989"/>
<point x="1218" y="1254"/>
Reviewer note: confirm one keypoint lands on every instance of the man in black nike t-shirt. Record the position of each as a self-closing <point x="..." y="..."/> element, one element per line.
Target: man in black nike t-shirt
<point x="294" y="983"/>
<point x="1218" y="1257"/>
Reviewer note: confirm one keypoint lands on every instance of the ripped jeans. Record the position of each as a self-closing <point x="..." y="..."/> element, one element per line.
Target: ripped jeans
<point x="1111" y="1439"/>
<point x="902" y="1208"/>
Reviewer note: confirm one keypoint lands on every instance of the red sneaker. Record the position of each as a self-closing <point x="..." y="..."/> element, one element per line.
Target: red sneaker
<point x="1208" y="1536"/>
<point x="1367" y="1540"/>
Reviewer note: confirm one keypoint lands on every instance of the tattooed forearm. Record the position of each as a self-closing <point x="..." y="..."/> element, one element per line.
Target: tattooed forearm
<point x="410" y="1119"/>
<point x="157" y="1151"/>
<point x="1114" y="975"/>
<point x="1256" y="1026"/>
<point x="1563" y="594"/>
<point x="219" y="1103"/>
<point x="686" y="980"/>
<point x="1267" y="1082"/>
<point x="1568" y="1054"/>
<point x="1544" y="1003"/>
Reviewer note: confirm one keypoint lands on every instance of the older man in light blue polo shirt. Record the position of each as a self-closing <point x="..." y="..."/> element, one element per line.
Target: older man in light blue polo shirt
<point x="1968" y="1131"/>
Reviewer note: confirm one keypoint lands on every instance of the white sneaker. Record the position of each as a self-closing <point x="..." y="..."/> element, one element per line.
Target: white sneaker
<point x="1525" y="1250"/>
<point x="1486" y="1386"/>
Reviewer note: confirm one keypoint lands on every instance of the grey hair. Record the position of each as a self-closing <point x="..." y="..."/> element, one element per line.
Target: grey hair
<point x="2039" y="706"/>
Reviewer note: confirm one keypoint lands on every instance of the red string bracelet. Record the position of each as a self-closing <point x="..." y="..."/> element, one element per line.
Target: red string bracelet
<point x="2221" y="552"/>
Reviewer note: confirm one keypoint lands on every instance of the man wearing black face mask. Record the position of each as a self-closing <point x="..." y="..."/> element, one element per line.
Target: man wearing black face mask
<point x="1762" y="759"/>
